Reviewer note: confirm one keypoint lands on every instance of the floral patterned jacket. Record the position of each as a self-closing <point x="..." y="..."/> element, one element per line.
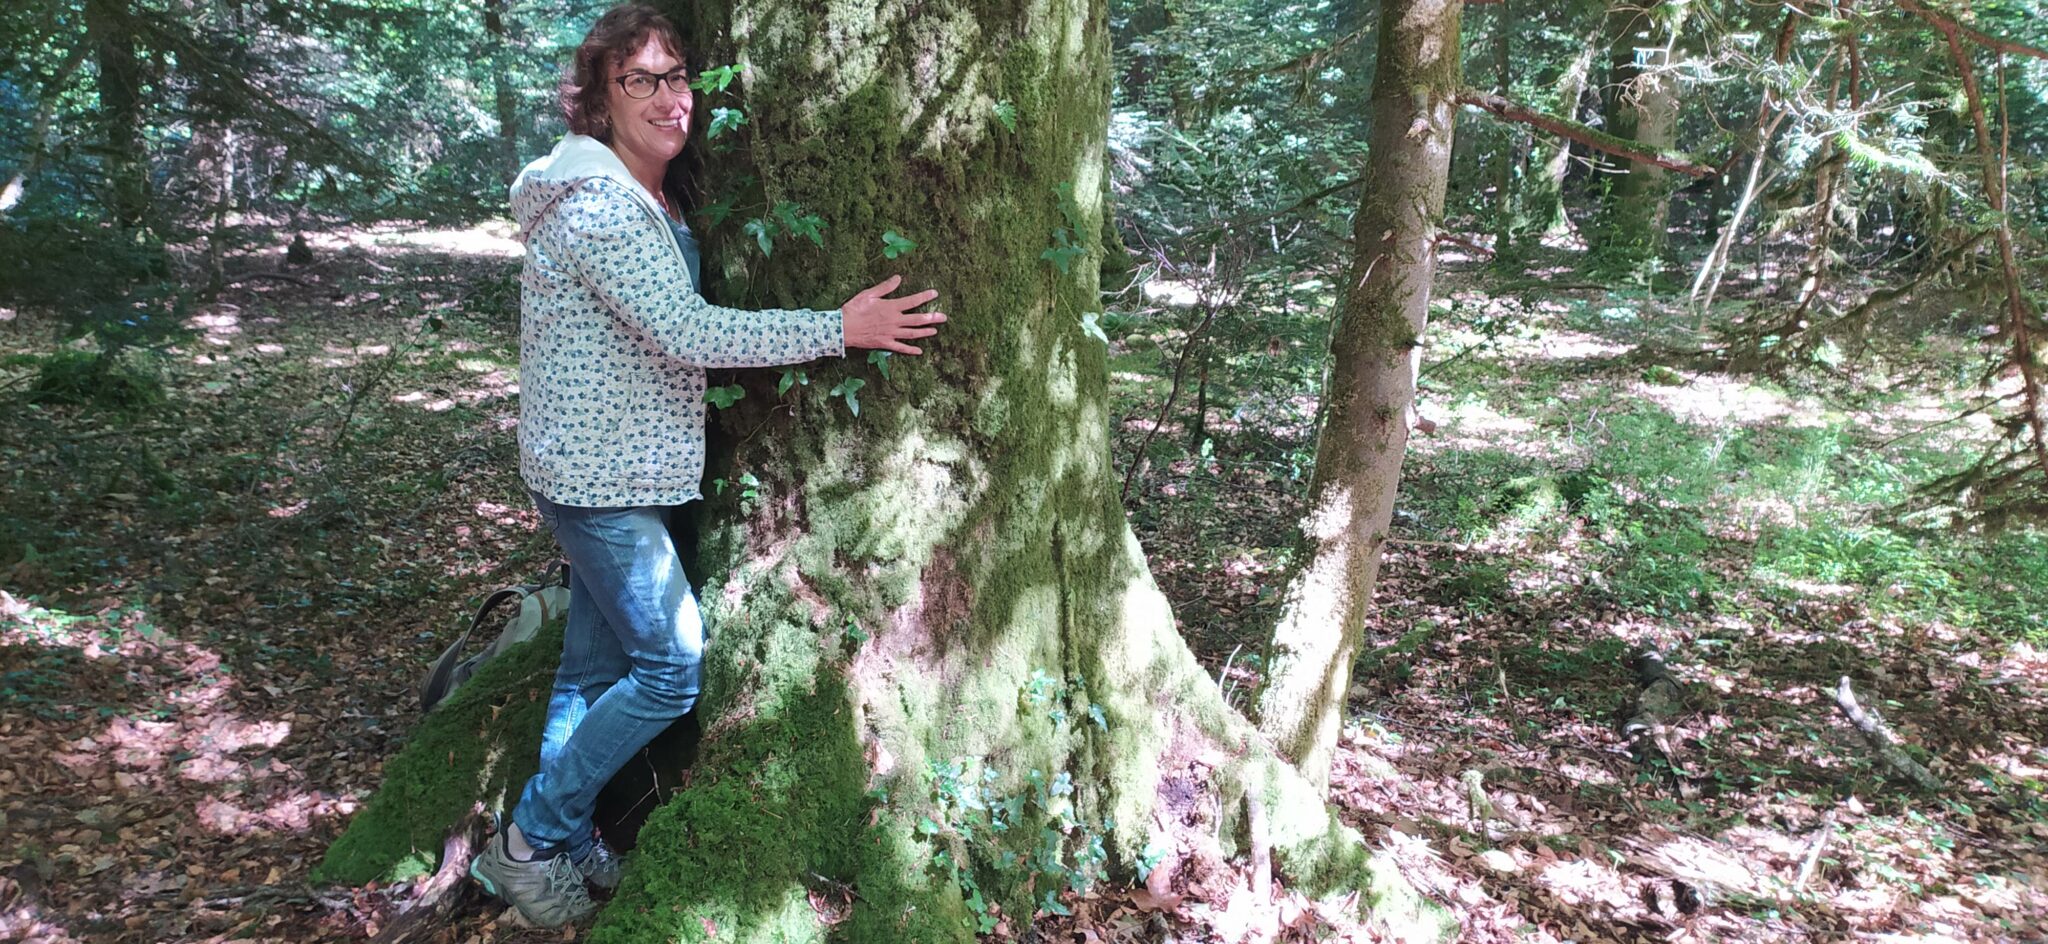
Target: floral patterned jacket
<point x="614" y="339"/>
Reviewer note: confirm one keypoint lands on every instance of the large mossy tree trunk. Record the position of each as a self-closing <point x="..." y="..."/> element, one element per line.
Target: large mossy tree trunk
<point x="941" y="686"/>
<point x="1641" y="104"/>
<point x="1374" y="348"/>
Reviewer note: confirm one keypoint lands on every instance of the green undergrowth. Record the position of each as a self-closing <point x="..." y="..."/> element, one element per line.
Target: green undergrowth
<point x="480" y="745"/>
<point x="1671" y="515"/>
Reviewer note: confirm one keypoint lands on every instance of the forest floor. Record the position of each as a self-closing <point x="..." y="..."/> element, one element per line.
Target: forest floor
<point x="215" y="607"/>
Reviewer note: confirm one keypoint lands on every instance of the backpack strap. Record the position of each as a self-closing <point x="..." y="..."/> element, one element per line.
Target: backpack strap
<point x="437" y="685"/>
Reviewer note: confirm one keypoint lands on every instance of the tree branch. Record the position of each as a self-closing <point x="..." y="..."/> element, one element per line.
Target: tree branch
<point x="1881" y="740"/>
<point x="1584" y="134"/>
<point x="1947" y="24"/>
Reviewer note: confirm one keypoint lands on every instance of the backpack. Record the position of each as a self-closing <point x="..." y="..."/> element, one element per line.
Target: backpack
<point x="536" y="604"/>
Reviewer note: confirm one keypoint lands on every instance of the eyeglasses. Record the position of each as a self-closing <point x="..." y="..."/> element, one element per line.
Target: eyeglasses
<point x="642" y="84"/>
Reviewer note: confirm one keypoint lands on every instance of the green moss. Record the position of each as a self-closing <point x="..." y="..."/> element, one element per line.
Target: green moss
<point x="480" y="745"/>
<point x="775" y="816"/>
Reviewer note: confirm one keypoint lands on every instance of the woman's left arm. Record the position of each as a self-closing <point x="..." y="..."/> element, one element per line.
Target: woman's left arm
<point x="611" y="242"/>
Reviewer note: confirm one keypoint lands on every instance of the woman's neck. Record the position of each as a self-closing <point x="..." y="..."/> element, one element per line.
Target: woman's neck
<point x="649" y="177"/>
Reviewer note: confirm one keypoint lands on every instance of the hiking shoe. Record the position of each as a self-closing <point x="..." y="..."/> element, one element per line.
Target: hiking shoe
<point x="601" y="867"/>
<point x="547" y="892"/>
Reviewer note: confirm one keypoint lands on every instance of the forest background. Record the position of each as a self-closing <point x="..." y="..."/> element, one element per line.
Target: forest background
<point x="1727" y="437"/>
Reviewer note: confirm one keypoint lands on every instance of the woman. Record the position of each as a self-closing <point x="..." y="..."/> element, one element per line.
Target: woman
<point x="614" y="341"/>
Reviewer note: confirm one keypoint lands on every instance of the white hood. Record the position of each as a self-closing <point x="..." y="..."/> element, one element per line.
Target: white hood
<point x="577" y="159"/>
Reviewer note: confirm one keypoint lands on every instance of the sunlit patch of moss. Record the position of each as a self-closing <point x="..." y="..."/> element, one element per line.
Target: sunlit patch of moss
<point x="480" y="745"/>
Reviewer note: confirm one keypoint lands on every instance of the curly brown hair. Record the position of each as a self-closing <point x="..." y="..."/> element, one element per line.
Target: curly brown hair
<point x="616" y="35"/>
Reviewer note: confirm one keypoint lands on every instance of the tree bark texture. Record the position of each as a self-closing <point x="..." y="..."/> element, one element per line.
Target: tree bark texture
<point x="1641" y="103"/>
<point x="120" y="118"/>
<point x="941" y="685"/>
<point x="1542" y="212"/>
<point x="1373" y="349"/>
<point x="504" y="98"/>
<point x="1510" y="159"/>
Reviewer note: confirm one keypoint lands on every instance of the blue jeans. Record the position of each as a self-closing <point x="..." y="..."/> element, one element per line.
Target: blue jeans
<point x="631" y="663"/>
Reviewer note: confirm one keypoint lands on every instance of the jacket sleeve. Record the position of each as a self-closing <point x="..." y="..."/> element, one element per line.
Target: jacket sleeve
<point x="609" y="240"/>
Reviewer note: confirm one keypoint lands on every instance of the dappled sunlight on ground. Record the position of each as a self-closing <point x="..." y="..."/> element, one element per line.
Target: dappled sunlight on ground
<point x="1577" y="502"/>
<point x="1716" y="399"/>
<point x="214" y="620"/>
<point x="494" y="239"/>
<point x="148" y="740"/>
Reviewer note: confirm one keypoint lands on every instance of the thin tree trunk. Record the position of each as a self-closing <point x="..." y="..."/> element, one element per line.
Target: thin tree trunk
<point x="213" y="163"/>
<point x="1373" y="348"/>
<point x="1641" y="105"/>
<point x="1543" y="198"/>
<point x="1768" y="117"/>
<point x="2020" y="324"/>
<point x="1826" y="187"/>
<point x="16" y="187"/>
<point x="1828" y="178"/>
<point x="120" y="116"/>
<point x="503" y="94"/>
<point x="1510" y="158"/>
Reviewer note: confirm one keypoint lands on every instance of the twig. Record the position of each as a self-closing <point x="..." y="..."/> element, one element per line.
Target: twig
<point x="1881" y="739"/>
<point x="1463" y="242"/>
<point x="1216" y="304"/>
<point x="1820" y="842"/>
<point x="1945" y="23"/>
<point x="1262" y="848"/>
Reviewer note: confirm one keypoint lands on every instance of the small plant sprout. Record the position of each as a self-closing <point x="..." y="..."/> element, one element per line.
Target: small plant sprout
<point x="850" y="389"/>
<point x="895" y="245"/>
<point x="724" y="120"/>
<point x="723" y="397"/>
<point x="715" y="80"/>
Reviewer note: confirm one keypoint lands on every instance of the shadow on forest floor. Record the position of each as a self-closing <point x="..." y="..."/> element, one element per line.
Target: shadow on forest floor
<point x="214" y="609"/>
<point x="1576" y="504"/>
<point x="212" y="613"/>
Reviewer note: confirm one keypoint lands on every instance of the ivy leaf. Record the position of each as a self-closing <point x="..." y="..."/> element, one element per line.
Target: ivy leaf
<point x="790" y="378"/>
<point x="850" y="388"/>
<point x="763" y="233"/>
<point x="719" y="211"/>
<point x="722" y="397"/>
<point x="724" y="120"/>
<point x="1063" y="252"/>
<point x="1006" y="112"/>
<point x="895" y="244"/>
<point x="798" y="223"/>
<point x="715" y="80"/>
<point x="880" y="359"/>
<point x="1093" y="328"/>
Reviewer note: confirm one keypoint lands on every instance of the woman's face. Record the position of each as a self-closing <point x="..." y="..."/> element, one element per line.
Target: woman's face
<point x="648" y="131"/>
